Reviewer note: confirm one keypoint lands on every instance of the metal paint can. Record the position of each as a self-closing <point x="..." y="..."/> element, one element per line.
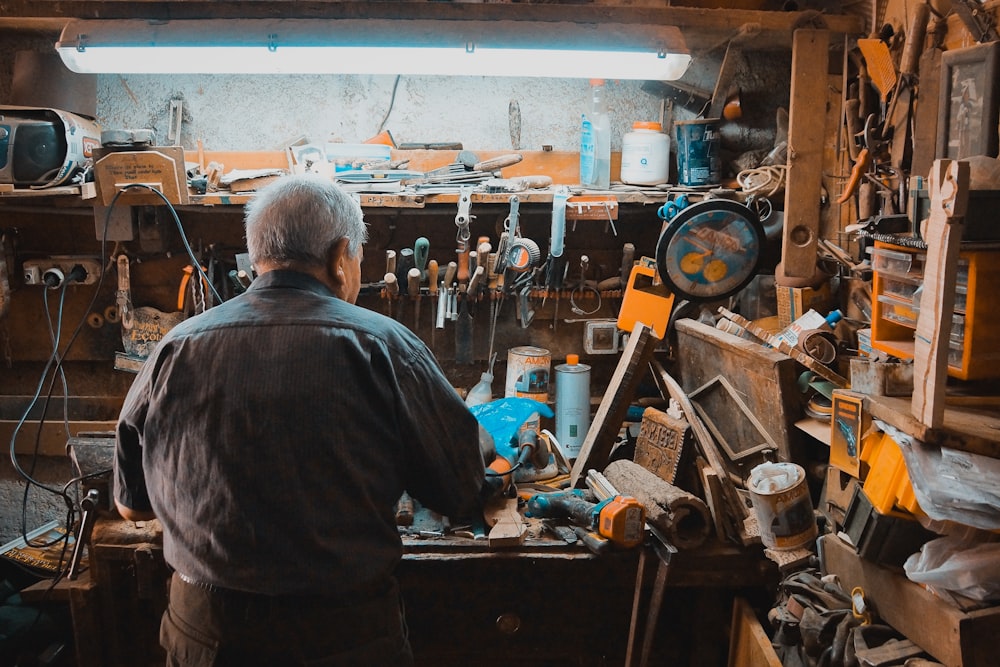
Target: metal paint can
<point x="781" y="502"/>
<point x="528" y="370"/>
<point x="698" y="160"/>
<point x="572" y="405"/>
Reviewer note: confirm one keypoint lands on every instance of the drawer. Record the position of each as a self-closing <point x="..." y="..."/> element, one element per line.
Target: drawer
<point x="897" y="263"/>
<point x="897" y="311"/>
<point x="900" y="287"/>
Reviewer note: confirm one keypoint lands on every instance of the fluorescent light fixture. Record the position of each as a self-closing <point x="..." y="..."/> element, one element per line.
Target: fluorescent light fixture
<point x="375" y="46"/>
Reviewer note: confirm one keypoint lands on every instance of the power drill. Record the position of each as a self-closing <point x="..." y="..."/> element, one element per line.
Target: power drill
<point x="620" y="519"/>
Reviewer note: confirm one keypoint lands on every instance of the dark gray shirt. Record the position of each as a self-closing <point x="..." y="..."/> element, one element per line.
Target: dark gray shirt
<point x="273" y="434"/>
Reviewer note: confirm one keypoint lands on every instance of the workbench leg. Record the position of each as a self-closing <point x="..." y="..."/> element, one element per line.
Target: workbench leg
<point x="636" y="600"/>
<point x="662" y="570"/>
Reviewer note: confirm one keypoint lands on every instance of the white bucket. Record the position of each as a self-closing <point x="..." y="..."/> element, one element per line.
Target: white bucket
<point x="781" y="501"/>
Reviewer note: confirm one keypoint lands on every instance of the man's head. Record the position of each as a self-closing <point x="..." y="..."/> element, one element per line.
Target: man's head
<point x="307" y="223"/>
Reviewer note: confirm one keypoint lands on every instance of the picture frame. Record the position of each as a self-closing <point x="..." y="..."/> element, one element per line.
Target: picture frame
<point x="969" y="102"/>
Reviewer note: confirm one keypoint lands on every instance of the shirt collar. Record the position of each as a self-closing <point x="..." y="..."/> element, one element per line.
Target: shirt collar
<point x="285" y="278"/>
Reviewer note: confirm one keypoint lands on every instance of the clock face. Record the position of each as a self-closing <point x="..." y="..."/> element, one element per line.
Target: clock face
<point x="710" y="250"/>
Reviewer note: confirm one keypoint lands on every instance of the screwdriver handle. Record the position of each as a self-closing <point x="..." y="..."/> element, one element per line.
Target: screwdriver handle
<point x="413" y="282"/>
<point x="391" y="285"/>
<point x="476" y="281"/>
<point x="421" y="249"/>
<point x="628" y="259"/>
<point x="432" y="276"/>
<point x="390" y="261"/>
<point x="449" y="273"/>
<point x="463" y="266"/>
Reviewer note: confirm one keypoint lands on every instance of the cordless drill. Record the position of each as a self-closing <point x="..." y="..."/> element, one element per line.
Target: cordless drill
<point x="620" y="519"/>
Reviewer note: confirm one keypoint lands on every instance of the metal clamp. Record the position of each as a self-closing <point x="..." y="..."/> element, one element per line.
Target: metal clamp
<point x="464" y="218"/>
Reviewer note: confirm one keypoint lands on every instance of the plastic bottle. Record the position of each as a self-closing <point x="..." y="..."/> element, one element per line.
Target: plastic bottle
<point x="482" y="392"/>
<point x="645" y="154"/>
<point x="595" y="140"/>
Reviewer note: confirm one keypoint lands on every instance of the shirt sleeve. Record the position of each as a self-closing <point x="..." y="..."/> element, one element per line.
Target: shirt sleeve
<point x="445" y="469"/>
<point x="129" y="479"/>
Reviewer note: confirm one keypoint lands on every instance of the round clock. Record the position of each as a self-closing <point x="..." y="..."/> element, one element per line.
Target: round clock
<point x="710" y="250"/>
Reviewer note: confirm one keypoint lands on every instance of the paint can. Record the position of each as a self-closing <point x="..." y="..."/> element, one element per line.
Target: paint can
<point x="781" y="502"/>
<point x="528" y="370"/>
<point x="572" y="405"/>
<point x="698" y="160"/>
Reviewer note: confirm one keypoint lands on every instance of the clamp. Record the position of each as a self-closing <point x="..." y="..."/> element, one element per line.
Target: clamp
<point x="464" y="218"/>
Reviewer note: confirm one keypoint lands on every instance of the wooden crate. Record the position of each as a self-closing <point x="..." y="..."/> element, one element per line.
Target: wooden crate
<point x="954" y="637"/>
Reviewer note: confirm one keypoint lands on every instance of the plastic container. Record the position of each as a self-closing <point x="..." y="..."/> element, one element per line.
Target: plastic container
<point x="900" y="288"/>
<point x="645" y="154"/>
<point x="891" y="261"/>
<point x="898" y="312"/>
<point x="482" y="392"/>
<point x="595" y="140"/>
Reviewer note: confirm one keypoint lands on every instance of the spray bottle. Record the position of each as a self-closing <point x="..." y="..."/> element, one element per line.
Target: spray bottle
<point x="595" y="140"/>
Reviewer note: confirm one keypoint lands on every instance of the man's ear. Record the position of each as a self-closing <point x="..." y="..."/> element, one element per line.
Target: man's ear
<point x="336" y="257"/>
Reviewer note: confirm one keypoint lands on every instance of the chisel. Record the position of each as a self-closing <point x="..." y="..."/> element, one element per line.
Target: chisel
<point x="463" y="330"/>
<point x="421" y="249"/>
<point x="413" y="286"/>
<point x="498" y="162"/>
<point x="449" y="274"/>
<point x="432" y="288"/>
<point x="391" y="290"/>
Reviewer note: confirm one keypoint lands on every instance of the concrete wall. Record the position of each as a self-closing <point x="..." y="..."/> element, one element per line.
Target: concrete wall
<point x="266" y="112"/>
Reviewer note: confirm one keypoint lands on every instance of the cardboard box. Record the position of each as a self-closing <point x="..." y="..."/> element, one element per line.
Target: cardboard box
<point x="794" y="302"/>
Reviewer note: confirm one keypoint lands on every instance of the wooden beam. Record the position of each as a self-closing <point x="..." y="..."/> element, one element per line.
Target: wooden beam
<point x="943" y="233"/>
<point x="806" y="136"/>
<point x="703" y="27"/>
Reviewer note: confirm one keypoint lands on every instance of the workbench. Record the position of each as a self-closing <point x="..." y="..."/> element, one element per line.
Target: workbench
<point x="542" y="603"/>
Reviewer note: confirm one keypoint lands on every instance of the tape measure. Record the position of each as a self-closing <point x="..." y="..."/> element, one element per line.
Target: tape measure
<point x="522" y="255"/>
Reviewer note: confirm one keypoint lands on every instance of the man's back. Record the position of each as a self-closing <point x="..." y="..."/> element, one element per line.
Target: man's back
<point x="281" y="428"/>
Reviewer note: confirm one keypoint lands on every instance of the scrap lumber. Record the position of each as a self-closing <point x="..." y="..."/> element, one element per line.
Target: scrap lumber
<point x="681" y="516"/>
<point x="507" y="527"/>
<point x="607" y="423"/>
<point x="782" y="346"/>
<point x="736" y="511"/>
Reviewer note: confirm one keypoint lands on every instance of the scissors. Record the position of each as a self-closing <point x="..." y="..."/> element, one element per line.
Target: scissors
<point x="672" y="207"/>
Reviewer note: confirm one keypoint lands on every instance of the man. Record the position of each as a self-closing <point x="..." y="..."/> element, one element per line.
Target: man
<point x="272" y="435"/>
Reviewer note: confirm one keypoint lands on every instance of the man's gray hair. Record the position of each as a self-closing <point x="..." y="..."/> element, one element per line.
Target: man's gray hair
<point x="297" y="219"/>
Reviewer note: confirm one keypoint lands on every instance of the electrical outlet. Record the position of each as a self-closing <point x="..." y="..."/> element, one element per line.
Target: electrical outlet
<point x="35" y="270"/>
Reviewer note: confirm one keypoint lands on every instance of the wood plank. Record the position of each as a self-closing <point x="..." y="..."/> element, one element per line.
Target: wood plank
<point x="507" y="526"/>
<point x="925" y="119"/>
<point x="607" y="422"/>
<point x="954" y="637"/>
<point x="53" y="437"/>
<point x="943" y="233"/>
<point x="806" y="136"/>
<point x="749" y="645"/>
<point x="735" y="510"/>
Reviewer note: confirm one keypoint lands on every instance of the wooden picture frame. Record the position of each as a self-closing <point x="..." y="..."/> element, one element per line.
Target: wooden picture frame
<point x="969" y="102"/>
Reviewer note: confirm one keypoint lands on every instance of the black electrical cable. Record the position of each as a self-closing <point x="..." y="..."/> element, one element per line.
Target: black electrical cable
<point x="180" y="228"/>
